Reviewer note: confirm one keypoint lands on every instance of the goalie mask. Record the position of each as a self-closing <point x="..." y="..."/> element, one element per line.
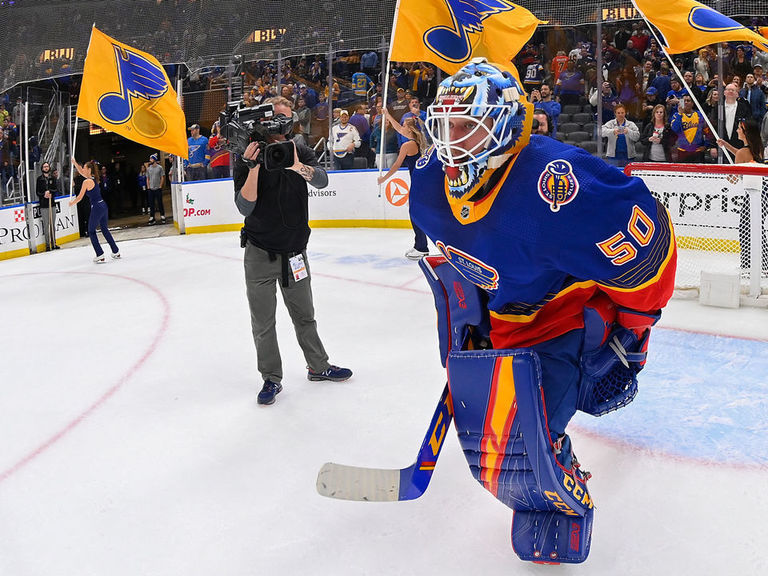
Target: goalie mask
<point x="479" y="118"/>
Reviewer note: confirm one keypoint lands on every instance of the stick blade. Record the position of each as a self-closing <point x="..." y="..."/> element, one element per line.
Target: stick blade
<point x="359" y="484"/>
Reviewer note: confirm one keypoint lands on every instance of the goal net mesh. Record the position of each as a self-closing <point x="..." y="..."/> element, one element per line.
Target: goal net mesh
<point x="713" y="217"/>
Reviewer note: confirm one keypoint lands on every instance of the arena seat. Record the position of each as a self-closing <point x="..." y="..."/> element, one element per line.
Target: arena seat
<point x="568" y="127"/>
<point x="360" y="163"/>
<point x="581" y="118"/>
<point x="579" y="136"/>
<point x="571" y="108"/>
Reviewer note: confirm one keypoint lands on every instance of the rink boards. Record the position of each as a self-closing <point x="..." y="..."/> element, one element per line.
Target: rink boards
<point x="17" y="225"/>
<point x="351" y="199"/>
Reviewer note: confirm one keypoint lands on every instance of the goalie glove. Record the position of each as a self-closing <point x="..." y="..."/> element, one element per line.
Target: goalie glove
<point x="609" y="372"/>
<point x="639" y="323"/>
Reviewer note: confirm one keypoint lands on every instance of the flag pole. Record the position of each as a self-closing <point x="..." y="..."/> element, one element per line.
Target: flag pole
<point x="386" y="92"/>
<point x="684" y="83"/>
<point x="74" y="129"/>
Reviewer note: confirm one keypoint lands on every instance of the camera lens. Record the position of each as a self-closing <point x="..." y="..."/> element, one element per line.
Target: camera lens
<point x="277" y="156"/>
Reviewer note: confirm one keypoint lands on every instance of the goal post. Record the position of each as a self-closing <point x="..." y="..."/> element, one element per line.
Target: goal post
<point x="719" y="215"/>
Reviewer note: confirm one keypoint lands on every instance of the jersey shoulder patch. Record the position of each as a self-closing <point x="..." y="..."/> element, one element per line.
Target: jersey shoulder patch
<point x="557" y="184"/>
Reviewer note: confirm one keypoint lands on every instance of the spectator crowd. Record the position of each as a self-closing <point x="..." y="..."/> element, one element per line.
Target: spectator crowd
<point x="647" y="111"/>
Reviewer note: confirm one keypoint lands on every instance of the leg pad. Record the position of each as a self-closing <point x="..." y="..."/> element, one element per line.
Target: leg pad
<point x="552" y="537"/>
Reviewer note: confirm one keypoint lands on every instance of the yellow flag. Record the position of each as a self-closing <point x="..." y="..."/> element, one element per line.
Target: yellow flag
<point x="127" y="91"/>
<point x="687" y="25"/>
<point x="449" y="33"/>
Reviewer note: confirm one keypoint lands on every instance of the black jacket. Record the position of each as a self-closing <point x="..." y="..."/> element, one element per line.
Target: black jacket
<point x="45" y="183"/>
<point x="278" y="221"/>
<point x="743" y="111"/>
<point x="668" y="138"/>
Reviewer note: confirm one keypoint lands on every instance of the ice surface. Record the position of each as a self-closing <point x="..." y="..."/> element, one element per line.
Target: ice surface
<point x="132" y="443"/>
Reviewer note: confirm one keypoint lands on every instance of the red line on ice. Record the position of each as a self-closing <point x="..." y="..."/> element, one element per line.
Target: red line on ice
<point x="5" y="474"/>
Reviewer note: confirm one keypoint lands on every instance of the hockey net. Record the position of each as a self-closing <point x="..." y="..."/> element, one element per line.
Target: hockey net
<point x="719" y="215"/>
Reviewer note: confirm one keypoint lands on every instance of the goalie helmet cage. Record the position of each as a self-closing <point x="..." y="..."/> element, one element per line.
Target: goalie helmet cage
<point x="49" y="38"/>
<point x="719" y="214"/>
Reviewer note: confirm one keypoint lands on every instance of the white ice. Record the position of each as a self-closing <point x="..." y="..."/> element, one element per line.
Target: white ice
<point x="131" y="442"/>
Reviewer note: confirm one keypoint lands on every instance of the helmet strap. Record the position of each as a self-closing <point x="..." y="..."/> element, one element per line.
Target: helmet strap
<point x="497" y="161"/>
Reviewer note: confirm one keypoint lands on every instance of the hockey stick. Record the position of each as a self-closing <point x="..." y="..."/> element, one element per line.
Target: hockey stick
<point x="390" y="485"/>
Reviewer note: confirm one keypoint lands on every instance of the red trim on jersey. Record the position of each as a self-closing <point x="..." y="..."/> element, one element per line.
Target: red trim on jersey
<point x="566" y="313"/>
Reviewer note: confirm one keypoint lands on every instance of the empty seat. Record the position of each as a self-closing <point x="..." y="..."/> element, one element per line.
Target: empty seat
<point x="571" y="143"/>
<point x="589" y="127"/>
<point x="579" y="136"/>
<point x="563" y="118"/>
<point x="568" y="127"/>
<point x="359" y="163"/>
<point x="571" y="109"/>
<point x="581" y="118"/>
<point x="589" y="146"/>
<point x="588" y="108"/>
<point x="560" y="136"/>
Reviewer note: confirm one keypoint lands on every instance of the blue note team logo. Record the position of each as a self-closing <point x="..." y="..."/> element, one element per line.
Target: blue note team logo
<point x="141" y="84"/>
<point x="708" y="20"/>
<point x="557" y="184"/>
<point x="711" y="21"/>
<point x="424" y="158"/>
<point x="474" y="270"/>
<point x="452" y="43"/>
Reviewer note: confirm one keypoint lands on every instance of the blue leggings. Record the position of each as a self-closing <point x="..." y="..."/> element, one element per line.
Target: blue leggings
<point x="560" y="377"/>
<point x="98" y="218"/>
<point x="420" y="239"/>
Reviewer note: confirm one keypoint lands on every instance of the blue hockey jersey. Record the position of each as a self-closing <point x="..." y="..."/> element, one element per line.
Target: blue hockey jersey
<point x="559" y="229"/>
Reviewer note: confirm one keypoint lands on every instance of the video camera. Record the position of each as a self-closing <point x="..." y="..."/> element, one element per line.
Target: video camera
<point x="240" y="126"/>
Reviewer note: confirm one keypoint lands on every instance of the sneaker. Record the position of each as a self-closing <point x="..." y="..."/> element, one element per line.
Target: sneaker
<point x="414" y="254"/>
<point x="268" y="392"/>
<point x="332" y="373"/>
<point x="162" y="219"/>
<point x="116" y="256"/>
<point x="100" y="259"/>
<point x="151" y="222"/>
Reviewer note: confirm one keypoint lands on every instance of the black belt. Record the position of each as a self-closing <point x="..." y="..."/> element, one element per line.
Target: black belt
<point x="285" y="270"/>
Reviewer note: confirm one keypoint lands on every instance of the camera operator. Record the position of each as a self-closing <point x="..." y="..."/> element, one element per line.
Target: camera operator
<point x="275" y="204"/>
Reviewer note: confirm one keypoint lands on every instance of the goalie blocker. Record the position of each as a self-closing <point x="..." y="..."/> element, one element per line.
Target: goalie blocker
<point x="501" y="416"/>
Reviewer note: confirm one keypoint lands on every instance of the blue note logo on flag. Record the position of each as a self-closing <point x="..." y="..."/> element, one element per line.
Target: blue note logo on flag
<point x="128" y="92"/>
<point x="453" y="42"/>
<point x="687" y="25"/>
<point x="141" y="83"/>
<point x="708" y="20"/>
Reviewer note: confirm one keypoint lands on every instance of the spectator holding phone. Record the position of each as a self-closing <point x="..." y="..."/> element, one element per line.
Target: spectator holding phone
<point x="622" y="134"/>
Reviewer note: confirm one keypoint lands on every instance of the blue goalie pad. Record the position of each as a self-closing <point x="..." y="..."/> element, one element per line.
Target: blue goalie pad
<point x="502" y="427"/>
<point x="460" y="307"/>
<point x="552" y="537"/>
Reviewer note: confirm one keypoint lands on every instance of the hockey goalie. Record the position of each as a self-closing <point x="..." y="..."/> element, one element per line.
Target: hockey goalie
<point x="554" y="267"/>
